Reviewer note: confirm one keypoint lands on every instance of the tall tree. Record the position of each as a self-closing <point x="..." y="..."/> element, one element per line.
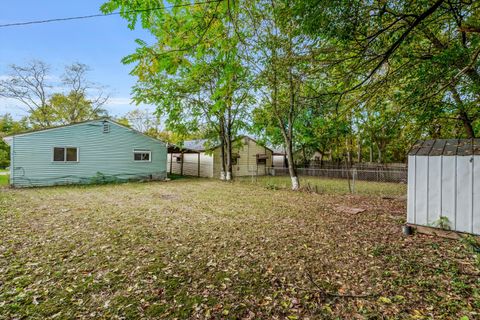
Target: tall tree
<point x="34" y="87"/>
<point x="192" y="72"/>
<point x="428" y="49"/>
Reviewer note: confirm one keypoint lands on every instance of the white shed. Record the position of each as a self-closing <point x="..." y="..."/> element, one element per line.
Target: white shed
<point x="444" y="184"/>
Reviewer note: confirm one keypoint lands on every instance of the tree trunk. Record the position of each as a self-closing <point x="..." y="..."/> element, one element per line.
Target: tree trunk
<point x="359" y="150"/>
<point x="379" y="159"/>
<point x="462" y="113"/>
<point x="289" y="142"/>
<point x="467" y="124"/>
<point x="291" y="167"/>
<point x="228" y="140"/>
<point x="229" y="137"/>
<point x="222" y="148"/>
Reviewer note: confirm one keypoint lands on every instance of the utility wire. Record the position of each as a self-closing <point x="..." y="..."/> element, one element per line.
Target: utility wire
<point x="104" y="15"/>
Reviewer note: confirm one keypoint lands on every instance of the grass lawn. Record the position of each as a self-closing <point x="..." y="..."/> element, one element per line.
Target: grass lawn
<point x="4" y="179"/>
<point x="205" y="249"/>
<point x="337" y="186"/>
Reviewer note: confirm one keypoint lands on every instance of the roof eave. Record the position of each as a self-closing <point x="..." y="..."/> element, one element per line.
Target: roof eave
<point x="8" y="140"/>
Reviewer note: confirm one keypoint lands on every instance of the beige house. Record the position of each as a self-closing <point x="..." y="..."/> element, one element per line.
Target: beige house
<point x="249" y="159"/>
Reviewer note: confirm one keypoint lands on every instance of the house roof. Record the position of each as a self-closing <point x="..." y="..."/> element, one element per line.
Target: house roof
<point x="279" y="151"/>
<point x="199" y="144"/>
<point x="446" y="147"/>
<point x="8" y="139"/>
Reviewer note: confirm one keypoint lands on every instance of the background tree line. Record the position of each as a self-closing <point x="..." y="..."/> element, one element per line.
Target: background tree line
<point x="348" y="80"/>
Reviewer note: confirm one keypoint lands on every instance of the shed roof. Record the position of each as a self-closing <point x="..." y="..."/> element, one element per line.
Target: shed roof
<point x="446" y="147"/>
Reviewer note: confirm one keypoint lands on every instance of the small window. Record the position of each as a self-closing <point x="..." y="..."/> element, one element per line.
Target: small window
<point x="59" y="154"/>
<point x="106" y="127"/>
<point x="65" y="154"/>
<point x="142" y="155"/>
<point x="235" y="157"/>
<point x="262" y="159"/>
<point x="179" y="158"/>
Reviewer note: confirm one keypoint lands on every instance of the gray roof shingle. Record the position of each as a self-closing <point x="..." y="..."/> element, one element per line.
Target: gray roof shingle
<point x="446" y="147"/>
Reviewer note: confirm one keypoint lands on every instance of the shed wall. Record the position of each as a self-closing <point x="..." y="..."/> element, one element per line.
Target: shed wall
<point x="444" y="186"/>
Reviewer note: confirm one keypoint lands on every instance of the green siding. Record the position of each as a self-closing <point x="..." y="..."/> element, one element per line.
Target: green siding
<point x="110" y="154"/>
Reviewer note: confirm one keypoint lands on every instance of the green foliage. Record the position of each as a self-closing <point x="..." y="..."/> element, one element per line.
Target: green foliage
<point x="348" y="80"/>
<point x="70" y="108"/>
<point x="8" y="126"/>
<point x="443" y="223"/>
<point x="192" y="72"/>
<point x="4" y="180"/>
<point x="473" y="244"/>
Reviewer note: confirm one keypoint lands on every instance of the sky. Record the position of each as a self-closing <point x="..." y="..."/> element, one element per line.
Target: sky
<point x="100" y="43"/>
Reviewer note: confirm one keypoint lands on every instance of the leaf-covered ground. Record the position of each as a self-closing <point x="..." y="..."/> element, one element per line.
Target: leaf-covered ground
<point x="205" y="249"/>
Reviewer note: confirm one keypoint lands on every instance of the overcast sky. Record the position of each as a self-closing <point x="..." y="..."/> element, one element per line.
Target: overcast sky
<point x="99" y="42"/>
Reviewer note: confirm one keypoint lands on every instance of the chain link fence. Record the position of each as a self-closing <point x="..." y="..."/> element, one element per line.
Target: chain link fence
<point x="379" y="174"/>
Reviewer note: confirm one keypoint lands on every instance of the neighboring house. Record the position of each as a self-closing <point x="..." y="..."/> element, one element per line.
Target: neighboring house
<point x="249" y="158"/>
<point x="91" y="151"/>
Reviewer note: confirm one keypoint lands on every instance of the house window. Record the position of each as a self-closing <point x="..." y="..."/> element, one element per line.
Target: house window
<point x="235" y="157"/>
<point x="142" y="155"/>
<point x="262" y="159"/>
<point x="65" y="154"/>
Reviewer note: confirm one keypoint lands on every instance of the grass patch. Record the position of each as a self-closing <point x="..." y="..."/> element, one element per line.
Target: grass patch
<point x="4" y="179"/>
<point x="200" y="248"/>
<point x="331" y="186"/>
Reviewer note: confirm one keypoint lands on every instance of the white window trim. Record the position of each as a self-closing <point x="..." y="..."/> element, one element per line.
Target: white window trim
<point x="142" y="151"/>
<point x="65" y="154"/>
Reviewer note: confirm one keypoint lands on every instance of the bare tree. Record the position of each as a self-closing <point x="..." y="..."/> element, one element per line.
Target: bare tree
<point x="33" y="86"/>
<point x="29" y="85"/>
<point x="144" y="121"/>
<point x="75" y="78"/>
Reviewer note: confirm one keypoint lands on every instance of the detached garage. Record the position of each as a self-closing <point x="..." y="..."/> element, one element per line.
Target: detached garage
<point x="444" y="184"/>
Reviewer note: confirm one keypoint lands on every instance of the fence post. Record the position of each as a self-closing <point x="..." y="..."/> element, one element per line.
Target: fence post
<point x="354" y="173"/>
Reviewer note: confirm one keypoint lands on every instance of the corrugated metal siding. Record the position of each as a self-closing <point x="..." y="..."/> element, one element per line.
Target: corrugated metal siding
<point x="110" y="154"/>
<point x="444" y="186"/>
<point x="278" y="161"/>
<point x="190" y="164"/>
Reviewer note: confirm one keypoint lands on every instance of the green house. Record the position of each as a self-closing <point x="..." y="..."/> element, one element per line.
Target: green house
<point x="87" y="152"/>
